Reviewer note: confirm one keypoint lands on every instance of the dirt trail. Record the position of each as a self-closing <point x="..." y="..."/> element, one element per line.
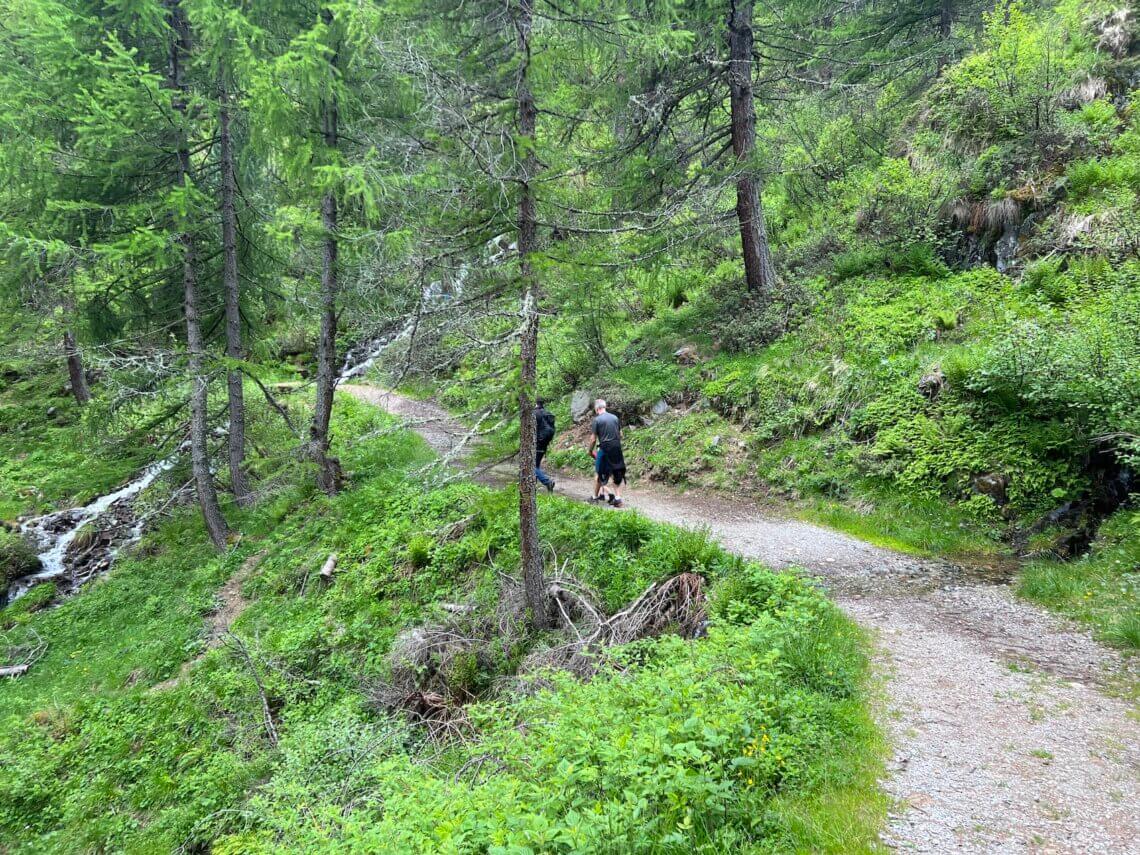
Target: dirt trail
<point x="231" y="602"/>
<point x="1005" y="740"/>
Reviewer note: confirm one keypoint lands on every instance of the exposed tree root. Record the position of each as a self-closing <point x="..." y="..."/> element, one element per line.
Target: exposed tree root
<point x="436" y="670"/>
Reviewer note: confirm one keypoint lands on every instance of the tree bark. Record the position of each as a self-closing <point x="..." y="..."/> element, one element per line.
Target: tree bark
<point x="759" y="270"/>
<point x="239" y="483"/>
<point x="946" y="19"/>
<point x="945" y="27"/>
<point x="329" y="475"/>
<point x="199" y="395"/>
<point x="529" y="547"/>
<point x="75" y="369"/>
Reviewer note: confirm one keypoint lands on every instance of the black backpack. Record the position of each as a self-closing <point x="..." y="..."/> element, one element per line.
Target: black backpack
<point x="545" y="427"/>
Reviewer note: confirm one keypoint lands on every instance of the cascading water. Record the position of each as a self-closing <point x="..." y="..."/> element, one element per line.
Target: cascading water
<point x="55" y="533"/>
<point x="360" y="358"/>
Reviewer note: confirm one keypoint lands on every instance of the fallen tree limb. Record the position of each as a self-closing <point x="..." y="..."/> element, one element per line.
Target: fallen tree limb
<point x="266" y="713"/>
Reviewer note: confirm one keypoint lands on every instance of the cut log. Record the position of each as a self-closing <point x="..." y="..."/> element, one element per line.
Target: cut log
<point x="13" y="670"/>
<point x="329" y="567"/>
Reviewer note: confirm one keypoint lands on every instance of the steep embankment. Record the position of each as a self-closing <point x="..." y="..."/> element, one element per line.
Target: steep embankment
<point x="1006" y="739"/>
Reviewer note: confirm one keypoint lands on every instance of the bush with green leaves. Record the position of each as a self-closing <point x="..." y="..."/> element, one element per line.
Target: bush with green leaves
<point x="1009" y="91"/>
<point x="722" y="743"/>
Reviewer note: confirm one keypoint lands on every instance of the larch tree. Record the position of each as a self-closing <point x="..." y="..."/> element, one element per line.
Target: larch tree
<point x="759" y="270"/>
<point x="330" y="124"/>
<point x="329" y="476"/>
<point x="518" y="118"/>
<point x="180" y="47"/>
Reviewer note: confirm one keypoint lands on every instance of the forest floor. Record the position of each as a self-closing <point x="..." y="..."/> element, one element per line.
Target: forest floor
<point x="1008" y="725"/>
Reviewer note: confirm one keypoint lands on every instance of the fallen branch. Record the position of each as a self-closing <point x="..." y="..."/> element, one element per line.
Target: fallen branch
<point x="31" y="654"/>
<point x="274" y="403"/>
<point x="267" y="715"/>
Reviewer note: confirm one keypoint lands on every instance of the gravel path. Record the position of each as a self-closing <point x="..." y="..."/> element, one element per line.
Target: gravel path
<point x="1005" y="740"/>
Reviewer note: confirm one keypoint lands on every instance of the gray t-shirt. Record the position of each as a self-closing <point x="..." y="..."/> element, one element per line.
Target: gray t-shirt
<point x="607" y="429"/>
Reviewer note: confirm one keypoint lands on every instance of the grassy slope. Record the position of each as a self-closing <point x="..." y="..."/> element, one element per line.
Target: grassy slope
<point x="49" y="461"/>
<point x="91" y="758"/>
<point x="832" y="419"/>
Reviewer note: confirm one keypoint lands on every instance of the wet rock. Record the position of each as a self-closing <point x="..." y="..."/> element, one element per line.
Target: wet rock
<point x="579" y="405"/>
<point x="1006" y="249"/>
<point x="993" y="485"/>
<point x="687" y="355"/>
<point x="932" y="384"/>
<point x="52" y="412"/>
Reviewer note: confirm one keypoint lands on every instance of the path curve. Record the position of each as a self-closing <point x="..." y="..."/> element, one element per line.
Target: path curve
<point x="1005" y="740"/>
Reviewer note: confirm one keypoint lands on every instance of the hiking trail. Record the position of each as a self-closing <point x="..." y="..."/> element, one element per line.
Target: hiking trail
<point x="1006" y="736"/>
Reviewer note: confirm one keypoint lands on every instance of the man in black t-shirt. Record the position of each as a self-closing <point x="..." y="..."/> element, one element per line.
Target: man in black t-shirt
<point x="609" y="461"/>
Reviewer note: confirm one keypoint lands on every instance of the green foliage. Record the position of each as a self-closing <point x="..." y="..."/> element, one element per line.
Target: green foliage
<point x="17" y="557"/>
<point x="1101" y="588"/>
<point x="708" y="745"/>
<point x="50" y="451"/>
<point x="158" y="753"/>
<point x="1008" y="90"/>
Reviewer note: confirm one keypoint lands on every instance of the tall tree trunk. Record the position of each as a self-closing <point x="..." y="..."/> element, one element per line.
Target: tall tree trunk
<point x="529" y="547"/>
<point x="199" y="394"/>
<point x="230" y="285"/>
<point x="759" y="271"/>
<point x="329" y="474"/>
<point x="945" y="27"/>
<point x="75" y="369"/>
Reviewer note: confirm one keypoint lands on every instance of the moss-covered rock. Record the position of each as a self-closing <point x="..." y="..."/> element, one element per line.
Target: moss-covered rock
<point x="17" y="557"/>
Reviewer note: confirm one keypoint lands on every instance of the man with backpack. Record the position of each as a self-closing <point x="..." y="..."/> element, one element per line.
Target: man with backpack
<point x="544" y="435"/>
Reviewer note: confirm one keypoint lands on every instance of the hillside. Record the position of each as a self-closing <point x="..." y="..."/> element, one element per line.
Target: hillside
<point x="283" y="285"/>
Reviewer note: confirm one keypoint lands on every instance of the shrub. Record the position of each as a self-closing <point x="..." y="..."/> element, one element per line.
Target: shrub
<point x="17" y="557"/>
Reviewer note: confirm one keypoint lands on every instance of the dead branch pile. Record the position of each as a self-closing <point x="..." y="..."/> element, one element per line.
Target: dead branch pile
<point x="433" y="672"/>
<point x="676" y="605"/>
<point x="17" y="659"/>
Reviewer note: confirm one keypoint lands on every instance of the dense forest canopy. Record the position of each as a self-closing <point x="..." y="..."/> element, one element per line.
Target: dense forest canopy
<point x="876" y="262"/>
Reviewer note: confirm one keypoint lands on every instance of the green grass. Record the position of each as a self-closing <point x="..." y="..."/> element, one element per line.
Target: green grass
<point x="92" y="758"/>
<point x="919" y="526"/>
<point x="1102" y="588"/>
<point x="49" y="461"/>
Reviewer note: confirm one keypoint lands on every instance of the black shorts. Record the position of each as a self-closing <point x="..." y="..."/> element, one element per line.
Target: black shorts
<point x="605" y="468"/>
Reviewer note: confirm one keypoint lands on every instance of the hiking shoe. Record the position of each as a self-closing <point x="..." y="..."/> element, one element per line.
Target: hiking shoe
<point x="550" y="486"/>
<point x="617" y="503"/>
<point x="610" y="499"/>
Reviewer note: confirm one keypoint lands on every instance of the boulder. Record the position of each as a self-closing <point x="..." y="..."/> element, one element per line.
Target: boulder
<point x="687" y="355"/>
<point x="993" y="485"/>
<point x="660" y="408"/>
<point x="579" y="405"/>
<point x="932" y="383"/>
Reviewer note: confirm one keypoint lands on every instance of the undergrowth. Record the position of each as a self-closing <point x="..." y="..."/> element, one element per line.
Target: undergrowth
<point x="757" y="737"/>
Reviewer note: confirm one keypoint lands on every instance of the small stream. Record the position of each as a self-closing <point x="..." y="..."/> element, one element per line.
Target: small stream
<point x="77" y="544"/>
<point x="113" y="525"/>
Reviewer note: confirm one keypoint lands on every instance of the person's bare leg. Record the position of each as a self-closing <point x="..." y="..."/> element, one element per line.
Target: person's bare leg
<point x="597" y="486"/>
